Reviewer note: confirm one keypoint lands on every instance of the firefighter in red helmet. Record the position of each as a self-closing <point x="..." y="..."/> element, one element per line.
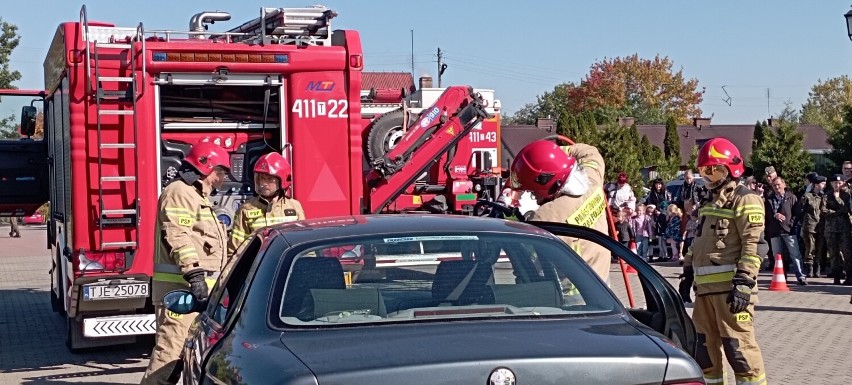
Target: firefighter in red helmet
<point x="723" y="264"/>
<point x="568" y="185"/>
<point x="190" y="250"/>
<point x="272" y="179"/>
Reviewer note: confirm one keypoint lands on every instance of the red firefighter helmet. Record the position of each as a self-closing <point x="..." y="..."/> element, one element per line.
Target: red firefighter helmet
<point x="542" y="168"/>
<point x="206" y="156"/>
<point x="718" y="159"/>
<point x="274" y="164"/>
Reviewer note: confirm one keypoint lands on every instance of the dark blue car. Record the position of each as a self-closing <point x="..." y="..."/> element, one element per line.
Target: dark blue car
<point x="490" y="302"/>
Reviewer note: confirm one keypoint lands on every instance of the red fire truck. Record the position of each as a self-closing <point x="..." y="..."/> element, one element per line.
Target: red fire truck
<point x="123" y="105"/>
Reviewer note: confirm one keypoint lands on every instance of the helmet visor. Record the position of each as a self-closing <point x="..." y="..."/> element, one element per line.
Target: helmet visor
<point x="714" y="176"/>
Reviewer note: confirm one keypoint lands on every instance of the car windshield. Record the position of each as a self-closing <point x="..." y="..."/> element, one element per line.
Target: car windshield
<point x="436" y="277"/>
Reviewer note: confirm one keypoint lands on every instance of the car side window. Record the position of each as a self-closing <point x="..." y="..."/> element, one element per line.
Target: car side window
<point x="235" y="276"/>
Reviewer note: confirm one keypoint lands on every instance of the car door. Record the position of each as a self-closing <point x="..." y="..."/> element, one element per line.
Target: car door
<point x="663" y="310"/>
<point x="213" y="324"/>
<point x="24" y="184"/>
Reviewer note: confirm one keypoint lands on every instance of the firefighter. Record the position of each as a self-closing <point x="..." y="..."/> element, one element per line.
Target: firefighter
<point x="723" y="263"/>
<point x="190" y="251"/>
<point x="567" y="183"/>
<point x="14" y="230"/>
<point x="272" y="179"/>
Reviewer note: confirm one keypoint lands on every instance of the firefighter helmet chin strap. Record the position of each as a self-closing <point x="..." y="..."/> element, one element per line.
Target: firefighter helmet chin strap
<point x="577" y="183"/>
<point x="189" y="174"/>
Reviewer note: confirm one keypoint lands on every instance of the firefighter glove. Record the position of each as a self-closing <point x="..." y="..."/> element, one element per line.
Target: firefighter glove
<point x="197" y="283"/>
<point x="740" y="294"/>
<point x="685" y="286"/>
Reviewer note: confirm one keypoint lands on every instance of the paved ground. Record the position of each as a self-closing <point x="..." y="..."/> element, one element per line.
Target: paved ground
<point x="805" y="334"/>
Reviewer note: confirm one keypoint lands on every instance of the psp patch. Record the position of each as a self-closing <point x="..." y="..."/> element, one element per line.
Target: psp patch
<point x="254" y="213"/>
<point x="743" y="317"/>
<point x="755" y="218"/>
<point x="183" y="221"/>
<point x="173" y="315"/>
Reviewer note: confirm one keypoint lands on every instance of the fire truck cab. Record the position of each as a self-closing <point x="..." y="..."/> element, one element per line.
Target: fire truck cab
<point x="122" y="106"/>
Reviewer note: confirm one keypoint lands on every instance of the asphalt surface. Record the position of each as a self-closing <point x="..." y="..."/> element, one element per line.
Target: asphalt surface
<point x="805" y="334"/>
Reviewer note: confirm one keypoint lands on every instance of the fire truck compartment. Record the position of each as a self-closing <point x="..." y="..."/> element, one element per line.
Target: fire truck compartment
<point x="218" y="103"/>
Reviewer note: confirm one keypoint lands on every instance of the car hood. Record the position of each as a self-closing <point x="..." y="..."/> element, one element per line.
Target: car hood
<point x="599" y="350"/>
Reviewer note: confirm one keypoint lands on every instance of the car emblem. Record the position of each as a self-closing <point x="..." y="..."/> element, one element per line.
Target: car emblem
<point x="501" y="376"/>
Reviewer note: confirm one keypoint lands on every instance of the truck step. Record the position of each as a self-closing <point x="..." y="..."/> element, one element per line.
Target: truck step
<point x="118" y="179"/>
<point x="113" y="45"/>
<point x="116" y="112"/>
<point x="118" y="145"/>
<point x="108" y="245"/>
<point x="118" y="212"/>
<point x="125" y="95"/>
<point x="119" y="79"/>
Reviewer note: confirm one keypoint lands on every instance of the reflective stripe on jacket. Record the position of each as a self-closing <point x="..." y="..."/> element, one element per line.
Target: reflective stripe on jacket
<point x="188" y="236"/>
<point x="257" y="213"/>
<point x="730" y="238"/>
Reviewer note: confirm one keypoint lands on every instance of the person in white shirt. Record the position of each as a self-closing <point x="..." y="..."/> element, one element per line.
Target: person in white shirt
<point x="622" y="194"/>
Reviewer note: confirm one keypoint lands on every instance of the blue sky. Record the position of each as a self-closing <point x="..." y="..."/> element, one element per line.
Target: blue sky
<point x="522" y="49"/>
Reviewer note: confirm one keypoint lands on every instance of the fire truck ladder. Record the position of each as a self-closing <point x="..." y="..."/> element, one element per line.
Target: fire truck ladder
<point x="114" y="101"/>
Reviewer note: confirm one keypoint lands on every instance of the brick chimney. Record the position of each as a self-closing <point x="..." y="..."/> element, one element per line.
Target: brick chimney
<point x="626" y="121"/>
<point x="425" y="82"/>
<point x="701" y="122"/>
<point x="545" y="124"/>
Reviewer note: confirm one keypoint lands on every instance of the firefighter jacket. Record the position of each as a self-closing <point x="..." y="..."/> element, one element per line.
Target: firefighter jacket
<point x="257" y="212"/>
<point x="809" y="206"/>
<point x="588" y="210"/>
<point x="188" y="236"/>
<point x="729" y="239"/>
<point x="835" y="209"/>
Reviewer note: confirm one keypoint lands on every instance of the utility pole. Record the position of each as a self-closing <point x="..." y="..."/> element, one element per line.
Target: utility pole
<point x="441" y="66"/>
<point x="412" y="53"/>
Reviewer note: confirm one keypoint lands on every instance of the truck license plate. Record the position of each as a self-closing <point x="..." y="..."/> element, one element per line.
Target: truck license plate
<point x="130" y="290"/>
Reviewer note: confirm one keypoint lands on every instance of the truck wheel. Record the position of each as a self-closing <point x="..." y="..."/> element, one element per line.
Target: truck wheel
<point x="385" y="133"/>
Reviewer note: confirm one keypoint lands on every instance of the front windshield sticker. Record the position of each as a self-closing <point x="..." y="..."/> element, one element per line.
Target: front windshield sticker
<point x="433" y="238"/>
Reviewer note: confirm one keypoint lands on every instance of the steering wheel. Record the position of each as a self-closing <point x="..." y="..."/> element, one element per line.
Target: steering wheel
<point x="490" y="209"/>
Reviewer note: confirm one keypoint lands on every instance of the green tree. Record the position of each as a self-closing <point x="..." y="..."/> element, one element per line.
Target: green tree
<point x="825" y="102"/>
<point x="693" y="158"/>
<point x="671" y="144"/>
<point x="646" y="89"/>
<point x="645" y="151"/>
<point x="9" y="40"/>
<point x="841" y="140"/>
<point x="527" y="115"/>
<point x="757" y="136"/>
<point x="620" y="155"/>
<point x="789" y="113"/>
<point x="783" y="148"/>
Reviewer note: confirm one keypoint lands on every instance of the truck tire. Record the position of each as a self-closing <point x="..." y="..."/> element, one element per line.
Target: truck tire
<point x="385" y="133"/>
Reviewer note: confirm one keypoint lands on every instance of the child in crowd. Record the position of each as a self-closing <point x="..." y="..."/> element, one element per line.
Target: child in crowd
<point x="673" y="232"/>
<point x="643" y="229"/>
<point x="623" y="228"/>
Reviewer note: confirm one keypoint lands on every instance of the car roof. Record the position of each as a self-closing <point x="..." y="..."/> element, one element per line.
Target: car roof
<point x="335" y="227"/>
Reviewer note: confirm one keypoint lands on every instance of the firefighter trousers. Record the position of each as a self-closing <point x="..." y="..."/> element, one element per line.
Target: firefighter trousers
<point x="732" y="335"/>
<point x="172" y="331"/>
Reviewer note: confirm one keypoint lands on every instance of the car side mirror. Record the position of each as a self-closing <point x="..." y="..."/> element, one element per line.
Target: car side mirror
<point x="28" y="120"/>
<point x="182" y="302"/>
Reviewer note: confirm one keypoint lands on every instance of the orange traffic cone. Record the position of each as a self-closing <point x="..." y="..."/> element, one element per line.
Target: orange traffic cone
<point x="779" y="279"/>
<point x="632" y="246"/>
